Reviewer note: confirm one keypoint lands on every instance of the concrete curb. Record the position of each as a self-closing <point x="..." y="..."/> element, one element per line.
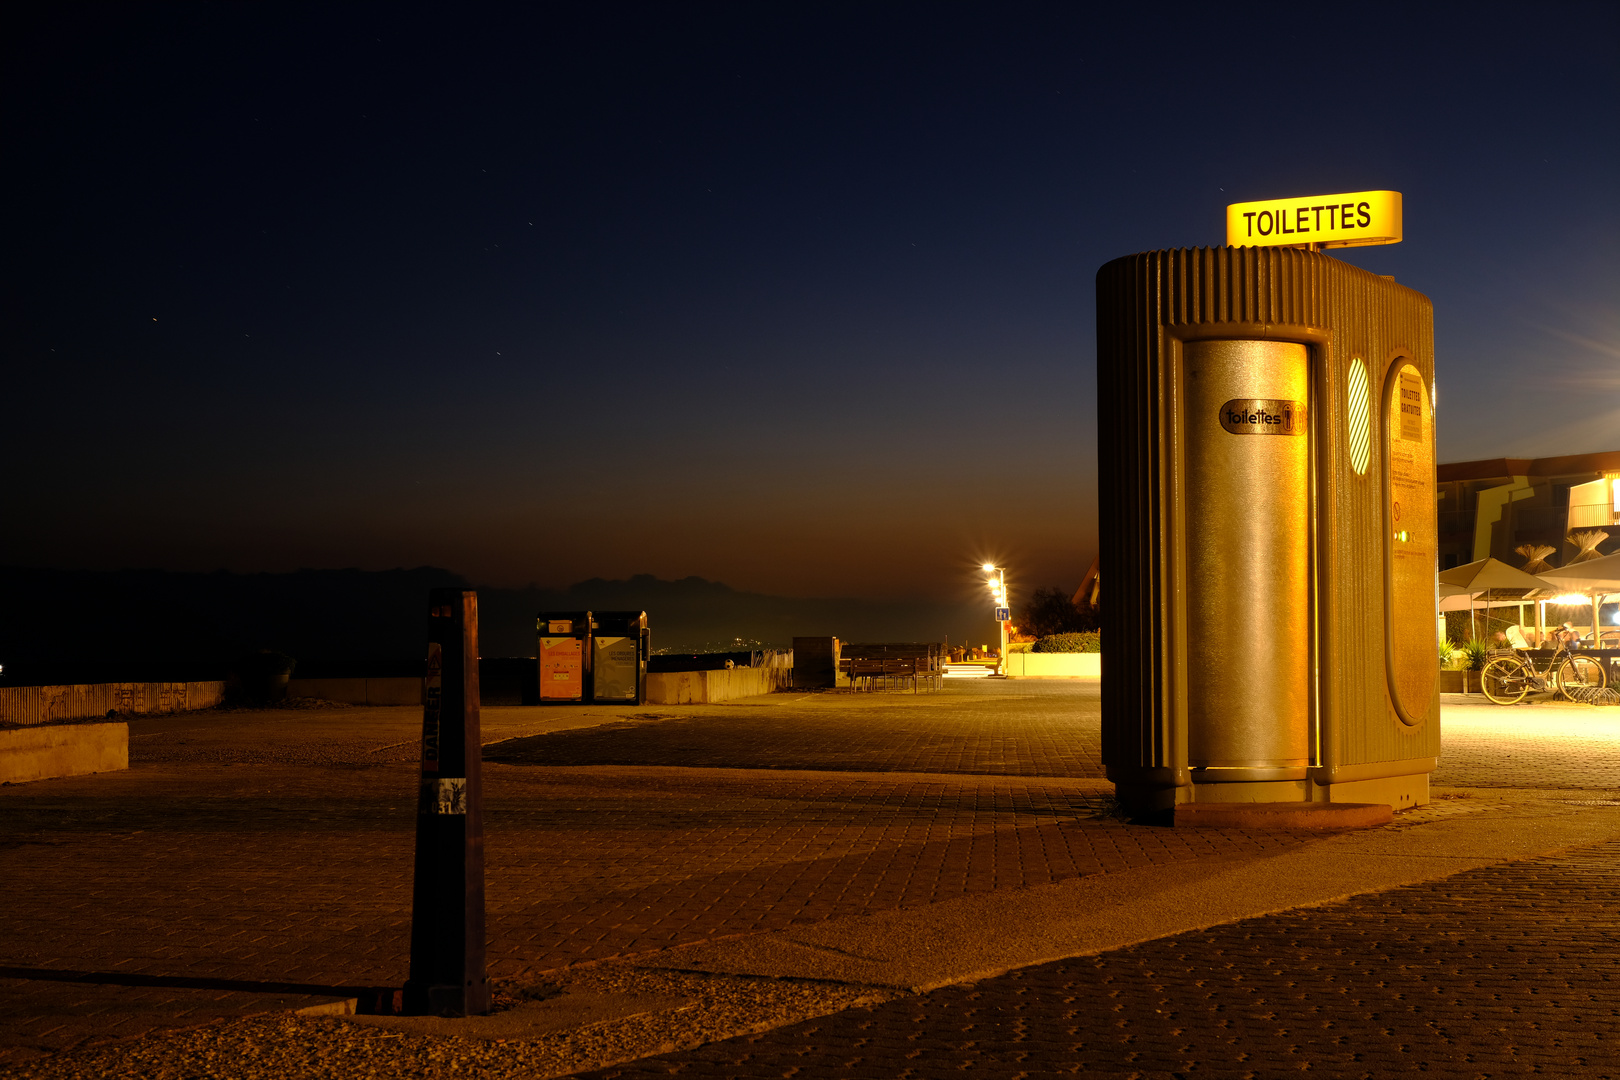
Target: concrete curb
<point x="52" y="750"/>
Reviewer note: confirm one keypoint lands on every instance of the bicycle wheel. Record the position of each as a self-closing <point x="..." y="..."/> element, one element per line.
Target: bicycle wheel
<point x="1504" y="681"/>
<point x="1579" y="673"/>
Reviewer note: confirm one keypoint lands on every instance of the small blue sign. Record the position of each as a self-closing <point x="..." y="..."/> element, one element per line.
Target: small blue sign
<point x="1003" y="614"/>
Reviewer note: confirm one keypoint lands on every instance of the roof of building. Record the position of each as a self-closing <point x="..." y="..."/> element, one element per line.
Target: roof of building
<point x="1491" y="468"/>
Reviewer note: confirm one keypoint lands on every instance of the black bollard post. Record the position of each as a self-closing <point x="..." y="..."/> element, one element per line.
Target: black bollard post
<point x="447" y="901"/>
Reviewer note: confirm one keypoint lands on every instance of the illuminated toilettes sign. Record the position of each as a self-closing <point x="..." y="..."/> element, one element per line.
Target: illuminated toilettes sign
<point x="1354" y="219"/>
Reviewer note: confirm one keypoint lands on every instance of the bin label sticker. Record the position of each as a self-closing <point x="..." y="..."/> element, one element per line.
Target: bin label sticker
<point x="1263" y="416"/>
<point x="617" y="671"/>
<point x="562" y="668"/>
<point x="560" y="626"/>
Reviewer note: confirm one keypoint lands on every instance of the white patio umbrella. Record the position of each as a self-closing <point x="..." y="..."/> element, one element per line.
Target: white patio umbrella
<point x="1484" y="577"/>
<point x="1595" y="578"/>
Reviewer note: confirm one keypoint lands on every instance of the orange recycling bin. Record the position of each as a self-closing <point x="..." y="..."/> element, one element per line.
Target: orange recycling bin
<point x="565" y="655"/>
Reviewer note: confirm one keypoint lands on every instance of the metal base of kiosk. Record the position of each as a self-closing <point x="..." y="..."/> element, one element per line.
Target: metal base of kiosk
<point x="1150" y="802"/>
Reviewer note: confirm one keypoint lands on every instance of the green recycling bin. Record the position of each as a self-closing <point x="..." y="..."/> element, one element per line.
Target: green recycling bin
<point x="620" y="643"/>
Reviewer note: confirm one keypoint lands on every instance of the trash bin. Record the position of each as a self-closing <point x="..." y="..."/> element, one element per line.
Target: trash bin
<point x="565" y="656"/>
<point x="815" y="662"/>
<point x="620" y="643"/>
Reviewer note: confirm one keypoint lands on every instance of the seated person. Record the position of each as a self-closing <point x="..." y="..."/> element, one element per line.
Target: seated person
<point x="1515" y="637"/>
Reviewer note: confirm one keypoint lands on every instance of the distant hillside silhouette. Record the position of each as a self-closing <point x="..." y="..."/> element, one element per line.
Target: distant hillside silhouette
<point x="90" y="626"/>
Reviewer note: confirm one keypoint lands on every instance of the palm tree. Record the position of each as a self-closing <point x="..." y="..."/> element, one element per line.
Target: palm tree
<point x="1535" y="557"/>
<point x="1535" y="561"/>
<point x="1588" y="542"/>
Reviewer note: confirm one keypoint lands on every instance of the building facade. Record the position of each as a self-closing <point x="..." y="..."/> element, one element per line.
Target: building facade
<point x="1490" y="508"/>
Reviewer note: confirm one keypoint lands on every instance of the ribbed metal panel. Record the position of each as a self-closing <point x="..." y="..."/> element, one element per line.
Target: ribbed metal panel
<point x="29" y="705"/>
<point x="1145" y="304"/>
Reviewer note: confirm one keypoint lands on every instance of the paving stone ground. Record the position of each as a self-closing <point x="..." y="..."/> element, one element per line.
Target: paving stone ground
<point x="1512" y="970"/>
<point x="972" y="726"/>
<point x="235" y="865"/>
<point x="1545" y="745"/>
<point x="250" y="863"/>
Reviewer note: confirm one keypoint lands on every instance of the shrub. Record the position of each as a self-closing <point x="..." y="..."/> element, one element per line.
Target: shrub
<point x="1474" y="651"/>
<point x="1049" y="613"/>
<point x="1083" y="641"/>
<point x="260" y="678"/>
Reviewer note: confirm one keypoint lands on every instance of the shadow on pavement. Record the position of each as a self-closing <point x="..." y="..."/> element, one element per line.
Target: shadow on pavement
<point x="369" y="999"/>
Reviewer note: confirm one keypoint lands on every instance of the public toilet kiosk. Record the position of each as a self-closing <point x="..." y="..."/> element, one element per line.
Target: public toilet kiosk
<point x="1267" y="496"/>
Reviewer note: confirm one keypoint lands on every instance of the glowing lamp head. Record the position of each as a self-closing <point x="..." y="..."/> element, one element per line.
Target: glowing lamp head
<point x="988" y="568"/>
<point x="1570" y="600"/>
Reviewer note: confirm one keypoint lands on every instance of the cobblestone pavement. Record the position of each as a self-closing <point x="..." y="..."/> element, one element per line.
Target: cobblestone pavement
<point x="253" y="862"/>
<point x="1512" y="970"/>
<point x="197" y="886"/>
<point x="1041" y="730"/>
<point x="970" y="726"/>
<point x="1545" y="745"/>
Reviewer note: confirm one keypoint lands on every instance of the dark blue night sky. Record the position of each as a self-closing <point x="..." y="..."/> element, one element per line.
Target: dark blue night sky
<point x="794" y="297"/>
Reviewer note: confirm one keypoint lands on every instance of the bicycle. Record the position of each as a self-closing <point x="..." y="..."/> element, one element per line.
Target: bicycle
<point x="1507" y="679"/>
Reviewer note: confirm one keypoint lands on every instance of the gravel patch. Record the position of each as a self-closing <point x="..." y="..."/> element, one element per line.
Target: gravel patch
<point x="685" y="1010"/>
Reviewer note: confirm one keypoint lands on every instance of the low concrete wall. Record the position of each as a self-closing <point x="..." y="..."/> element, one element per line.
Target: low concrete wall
<point x="87" y="701"/>
<point x="663" y="688"/>
<point x="39" y="753"/>
<point x="396" y="691"/>
<point x="708" y="687"/>
<point x="1062" y="665"/>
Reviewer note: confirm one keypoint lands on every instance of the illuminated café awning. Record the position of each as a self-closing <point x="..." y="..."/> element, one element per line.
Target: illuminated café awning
<point x="1594" y="575"/>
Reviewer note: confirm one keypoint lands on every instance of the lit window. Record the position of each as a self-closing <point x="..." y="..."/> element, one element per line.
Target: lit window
<point x="1359" y="406"/>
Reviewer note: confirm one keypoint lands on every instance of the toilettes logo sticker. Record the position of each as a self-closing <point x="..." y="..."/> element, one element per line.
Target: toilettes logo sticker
<point x="1263" y="416"/>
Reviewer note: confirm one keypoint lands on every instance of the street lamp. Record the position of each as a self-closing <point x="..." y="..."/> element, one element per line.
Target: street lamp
<point x="998" y="593"/>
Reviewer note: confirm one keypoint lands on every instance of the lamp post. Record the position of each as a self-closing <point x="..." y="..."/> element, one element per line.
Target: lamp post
<point x="998" y="592"/>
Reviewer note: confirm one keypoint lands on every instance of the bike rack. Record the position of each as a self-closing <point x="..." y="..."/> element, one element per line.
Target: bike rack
<point x="1595" y="695"/>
